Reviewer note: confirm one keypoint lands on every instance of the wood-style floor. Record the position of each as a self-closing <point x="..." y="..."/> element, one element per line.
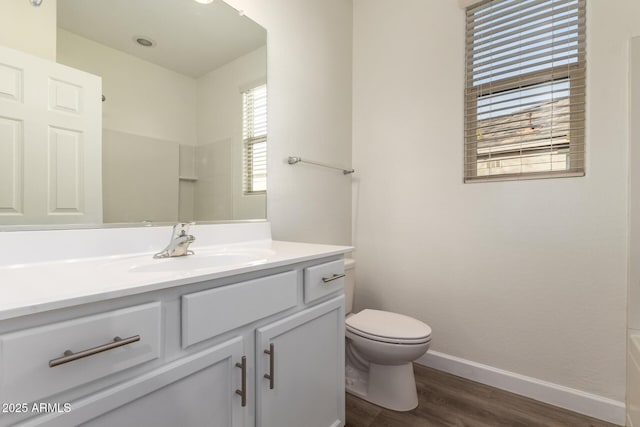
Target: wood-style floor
<point x="447" y="400"/>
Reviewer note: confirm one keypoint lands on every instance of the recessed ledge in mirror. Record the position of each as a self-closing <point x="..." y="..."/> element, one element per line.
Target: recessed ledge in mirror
<point x="183" y="121"/>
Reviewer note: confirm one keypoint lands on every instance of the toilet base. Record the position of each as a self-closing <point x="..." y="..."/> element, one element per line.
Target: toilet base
<point x="390" y="386"/>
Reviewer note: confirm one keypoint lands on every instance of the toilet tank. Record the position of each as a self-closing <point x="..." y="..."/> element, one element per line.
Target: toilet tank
<point x="349" y="283"/>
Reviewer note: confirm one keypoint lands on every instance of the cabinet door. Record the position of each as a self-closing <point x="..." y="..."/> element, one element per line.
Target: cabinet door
<point x="50" y="142"/>
<point x="197" y="390"/>
<point x="308" y="368"/>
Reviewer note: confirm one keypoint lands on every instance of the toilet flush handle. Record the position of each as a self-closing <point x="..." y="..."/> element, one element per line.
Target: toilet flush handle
<point x="332" y="278"/>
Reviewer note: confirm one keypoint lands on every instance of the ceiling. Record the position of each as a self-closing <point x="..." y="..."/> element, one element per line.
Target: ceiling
<point x="191" y="38"/>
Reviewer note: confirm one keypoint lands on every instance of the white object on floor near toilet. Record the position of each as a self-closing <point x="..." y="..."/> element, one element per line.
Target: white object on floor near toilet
<point x="380" y="349"/>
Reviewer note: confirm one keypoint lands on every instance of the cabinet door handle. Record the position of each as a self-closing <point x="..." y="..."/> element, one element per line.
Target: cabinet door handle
<point x="70" y="356"/>
<point x="272" y="357"/>
<point x="243" y="390"/>
<point x="332" y="278"/>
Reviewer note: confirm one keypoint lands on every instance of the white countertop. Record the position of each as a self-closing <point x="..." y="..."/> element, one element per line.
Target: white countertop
<point x="37" y="287"/>
<point x="33" y="287"/>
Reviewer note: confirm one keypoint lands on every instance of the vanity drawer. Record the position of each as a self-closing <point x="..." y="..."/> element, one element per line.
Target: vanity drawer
<point x="209" y="313"/>
<point x="322" y="280"/>
<point x="26" y="356"/>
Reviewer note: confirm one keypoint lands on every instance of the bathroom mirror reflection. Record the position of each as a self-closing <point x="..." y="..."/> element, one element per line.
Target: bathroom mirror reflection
<point x="183" y="111"/>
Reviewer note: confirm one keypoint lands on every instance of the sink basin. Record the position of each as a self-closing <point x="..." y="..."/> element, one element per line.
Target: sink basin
<point x="198" y="261"/>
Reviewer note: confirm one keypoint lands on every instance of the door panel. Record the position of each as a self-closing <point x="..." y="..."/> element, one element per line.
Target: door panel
<point x="197" y="390"/>
<point x="50" y="141"/>
<point x="308" y="374"/>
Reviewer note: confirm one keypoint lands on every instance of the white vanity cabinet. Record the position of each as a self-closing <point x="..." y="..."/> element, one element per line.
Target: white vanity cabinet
<point x="200" y="359"/>
<point x="300" y="368"/>
<point x="197" y="390"/>
<point x="193" y="391"/>
<point x="36" y="362"/>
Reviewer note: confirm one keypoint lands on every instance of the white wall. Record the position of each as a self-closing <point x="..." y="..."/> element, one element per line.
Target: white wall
<point x="29" y="29"/>
<point x="142" y="98"/>
<point x="149" y="111"/>
<point x="140" y="178"/>
<point x="220" y="130"/>
<point x="529" y="276"/>
<point x="148" y="100"/>
<point x="634" y="188"/>
<point x="309" y="69"/>
<point x="633" y="358"/>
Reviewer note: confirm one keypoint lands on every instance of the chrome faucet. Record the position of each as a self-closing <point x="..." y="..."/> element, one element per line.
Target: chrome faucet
<point x="179" y="243"/>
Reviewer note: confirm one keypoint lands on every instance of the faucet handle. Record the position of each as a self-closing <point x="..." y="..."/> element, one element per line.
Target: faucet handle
<point x="181" y="229"/>
<point x="179" y="243"/>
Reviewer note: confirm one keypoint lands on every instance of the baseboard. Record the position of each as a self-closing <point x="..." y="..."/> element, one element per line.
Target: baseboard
<point x="589" y="404"/>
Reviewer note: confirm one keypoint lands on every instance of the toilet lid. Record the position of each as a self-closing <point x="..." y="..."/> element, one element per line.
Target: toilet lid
<point x="387" y="325"/>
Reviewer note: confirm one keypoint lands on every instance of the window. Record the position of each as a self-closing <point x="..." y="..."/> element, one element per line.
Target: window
<point x="525" y="89"/>
<point x="254" y="137"/>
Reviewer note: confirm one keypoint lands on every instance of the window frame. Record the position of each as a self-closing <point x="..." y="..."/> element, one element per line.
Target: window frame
<point x="574" y="74"/>
<point x="248" y="145"/>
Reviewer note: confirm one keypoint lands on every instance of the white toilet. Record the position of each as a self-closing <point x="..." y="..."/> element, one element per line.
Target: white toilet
<point x="380" y="349"/>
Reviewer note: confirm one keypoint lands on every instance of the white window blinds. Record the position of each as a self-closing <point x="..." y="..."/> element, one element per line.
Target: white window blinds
<point x="525" y="89"/>
<point x="254" y="136"/>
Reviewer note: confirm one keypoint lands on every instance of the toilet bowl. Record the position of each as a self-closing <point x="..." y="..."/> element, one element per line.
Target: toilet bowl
<point x="380" y="349"/>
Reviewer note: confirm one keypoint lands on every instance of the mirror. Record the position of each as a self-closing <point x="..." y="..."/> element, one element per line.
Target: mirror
<point x="183" y="111"/>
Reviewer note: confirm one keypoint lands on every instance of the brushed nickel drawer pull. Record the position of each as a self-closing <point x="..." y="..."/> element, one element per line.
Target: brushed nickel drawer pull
<point x="332" y="278"/>
<point x="272" y="357"/>
<point x="243" y="390"/>
<point x="70" y="356"/>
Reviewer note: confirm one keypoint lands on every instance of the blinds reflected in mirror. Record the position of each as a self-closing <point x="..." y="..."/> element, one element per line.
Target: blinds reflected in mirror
<point x="254" y="136"/>
<point x="525" y="89"/>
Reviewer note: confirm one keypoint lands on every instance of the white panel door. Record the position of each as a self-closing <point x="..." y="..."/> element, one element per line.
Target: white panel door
<point x="50" y="142"/>
<point x="308" y="369"/>
<point x="11" y="148"/>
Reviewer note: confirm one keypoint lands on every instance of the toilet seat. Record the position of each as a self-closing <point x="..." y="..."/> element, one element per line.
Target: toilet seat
<point x="387" y="340"/>
<point x="388" y="327"/>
